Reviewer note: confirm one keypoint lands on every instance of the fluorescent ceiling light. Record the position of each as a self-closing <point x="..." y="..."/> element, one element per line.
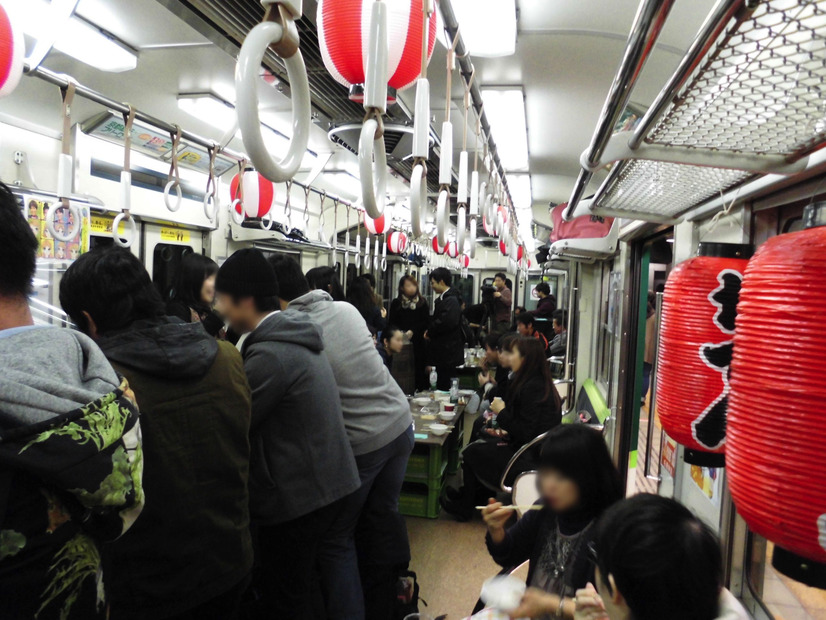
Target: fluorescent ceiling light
<point x="519" y="186"/>
<point x="488" y="27"/>
<point x="345" y="183"/>
<point x="75" y="37"/>
<point x="208" y="108"/>
<point x="505" y="109"/>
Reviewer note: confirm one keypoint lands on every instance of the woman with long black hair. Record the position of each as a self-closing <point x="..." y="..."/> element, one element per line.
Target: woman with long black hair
<point x="361" y="295"/>
<point x="326" y="279"/>
<point x="409" y="312"/>
<point x="577" y="483"/>
<point x="533" y="406"/>
<point x="192" y="294"/>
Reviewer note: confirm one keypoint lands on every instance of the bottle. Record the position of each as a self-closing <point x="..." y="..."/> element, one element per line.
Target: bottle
<point x="434" y="379"/>
<point x="454" y="390"/>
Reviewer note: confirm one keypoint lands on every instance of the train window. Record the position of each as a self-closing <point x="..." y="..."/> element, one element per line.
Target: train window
<point x="165" y="264"/>
<point x="777" y="596"/>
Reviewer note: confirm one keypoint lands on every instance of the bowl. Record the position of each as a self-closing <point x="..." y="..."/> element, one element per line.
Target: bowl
<point x="438" y="429"/>
<point x="447" y="416"/>
<point x="421" y="401"/>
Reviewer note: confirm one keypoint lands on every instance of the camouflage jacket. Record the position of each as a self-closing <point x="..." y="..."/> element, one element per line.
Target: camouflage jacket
<point x="66" y="484"/>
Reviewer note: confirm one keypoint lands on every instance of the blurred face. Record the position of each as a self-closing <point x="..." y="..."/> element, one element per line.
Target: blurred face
<point x="505" y="358"/>
<point x="560" y="492"/>
<point x="524" y="330"/>
<point x="208" y="291"/>
<point x="557" y="327"/>
<point x="491" y="355"/>
<point x="438" y="286"/>
<point x="395" y="343"/>
<point x="410" y="289"/>
<point x="516" y="359"/>
<point x="241" y="314"/>
<point x="498" y="282"/>
<point x="615" y="606"/>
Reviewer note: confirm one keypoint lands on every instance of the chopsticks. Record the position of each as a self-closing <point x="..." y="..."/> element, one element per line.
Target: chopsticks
<point x="531" y="507"/>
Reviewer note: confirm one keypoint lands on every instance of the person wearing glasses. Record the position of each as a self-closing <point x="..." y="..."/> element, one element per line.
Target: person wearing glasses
<point x="654" y="559"/>
<point x="578" y="482"/>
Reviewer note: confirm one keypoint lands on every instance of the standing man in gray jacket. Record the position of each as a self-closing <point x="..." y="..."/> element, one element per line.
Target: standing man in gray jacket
<point x="379" y="425"/>
<point x="301" y="462"/>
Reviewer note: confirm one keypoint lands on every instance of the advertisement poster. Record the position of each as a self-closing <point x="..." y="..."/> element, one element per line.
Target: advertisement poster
<point x="708" y="481"/>
<point x="35" y="210"/>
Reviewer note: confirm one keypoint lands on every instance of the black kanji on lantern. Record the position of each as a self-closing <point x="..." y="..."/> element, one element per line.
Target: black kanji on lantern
<point x="709" y="429"/>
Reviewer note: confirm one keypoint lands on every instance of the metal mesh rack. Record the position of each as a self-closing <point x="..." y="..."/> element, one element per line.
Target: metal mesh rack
<point x="662" y="190"/>
<point x="749" y="97"/>
<point x="762" y="88"/>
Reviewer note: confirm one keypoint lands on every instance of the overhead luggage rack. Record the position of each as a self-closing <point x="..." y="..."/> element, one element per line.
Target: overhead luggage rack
<point x="748" y="98"/>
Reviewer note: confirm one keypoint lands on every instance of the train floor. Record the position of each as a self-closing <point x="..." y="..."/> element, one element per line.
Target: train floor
<point x="452" y="562"/>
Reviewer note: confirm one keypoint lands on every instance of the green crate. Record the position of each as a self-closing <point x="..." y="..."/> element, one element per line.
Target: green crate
<point x="419" y="499"/>
<point x="427" y="462"/>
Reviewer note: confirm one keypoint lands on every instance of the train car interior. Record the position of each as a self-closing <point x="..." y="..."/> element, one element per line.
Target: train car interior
<point x="654" y="166"/>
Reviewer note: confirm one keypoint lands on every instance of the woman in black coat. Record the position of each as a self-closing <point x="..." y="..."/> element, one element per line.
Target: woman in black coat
<point x="409" y="312"/>
<point x="577" y="482"/>
<point x="192" y="294"/>
<point x="533" y="407"/>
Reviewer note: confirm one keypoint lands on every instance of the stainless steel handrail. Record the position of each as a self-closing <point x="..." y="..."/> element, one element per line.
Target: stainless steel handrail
<point x="648" y="23"/>
<point x="715" y="23"/>
<point x="652" y="405"/>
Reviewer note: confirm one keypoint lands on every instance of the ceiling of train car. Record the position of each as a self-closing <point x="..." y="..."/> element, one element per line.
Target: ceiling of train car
<point x="567" y="53"/>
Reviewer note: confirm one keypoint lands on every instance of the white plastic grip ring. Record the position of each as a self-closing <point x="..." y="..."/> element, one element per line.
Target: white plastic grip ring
<point x="446" y="161"/>
<point x="441" y="218"/>
<point x="180" y="195"/>
<point x="472" y="237"/>
<point x="376" y="255"/>
<point x="268" y="217"/>
<point x="461" y="228"/>
<point x="237" y="217"/>
<point x="461" y="194"/>
<point x="418" y="200"/>
<point x="247" y="77"/>
<point x="367" y="251"/>
<point x="375" y="74"/>
<point x="133" y="232"/>
<point x="72" y="233"/>
<point x="372" y="168"/>
<point x="421" y="120"/>
<point x="210" y="208"/>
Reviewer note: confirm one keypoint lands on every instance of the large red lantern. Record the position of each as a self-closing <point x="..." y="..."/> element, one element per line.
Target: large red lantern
<point x="343" y="33"/>
<point x="258" y="194"/>
<point x="397" y="242"/>
<point x="699" y="307"/>
<point x="12" y="52"/>
<point x="376" y="226"/>
<point x="464" y="261"/>
<point x="503" y="246"/>
<point x="776" y="448"/>
<point x="438" y="248"/>
<point x="452" y="249"/>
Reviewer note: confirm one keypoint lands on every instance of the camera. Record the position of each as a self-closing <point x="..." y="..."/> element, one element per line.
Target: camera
<point x="487" y="292"/>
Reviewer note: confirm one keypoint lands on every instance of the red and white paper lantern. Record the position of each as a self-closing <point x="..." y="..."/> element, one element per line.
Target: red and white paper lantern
<point x="12" y="52"/>
<point x="344" y="31"/>
<point x="438" y="248"/>
<point x="776" y="446"/>
<point x="699" y="308"/>
<point x="488" y="226"/>
<point x="396" y="242"/>
<point x="376" y="226"/>
<point x="452" y="249"/>
<point x="503" y="245"/>
<point x="257" y="196"/>
<point x="464" y="261"/>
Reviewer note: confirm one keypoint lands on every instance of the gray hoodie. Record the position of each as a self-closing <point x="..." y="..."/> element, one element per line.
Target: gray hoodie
<point x="47" y="372"/>
<point x="300" y="458"/>
<point x="376" y="410"/>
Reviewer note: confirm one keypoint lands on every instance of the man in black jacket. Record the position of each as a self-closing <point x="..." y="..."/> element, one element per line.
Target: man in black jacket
<point x="447" y="342"/>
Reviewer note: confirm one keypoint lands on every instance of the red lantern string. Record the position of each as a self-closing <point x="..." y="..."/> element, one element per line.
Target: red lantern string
<point x="777" y="437"/>
<point x="694" y="352"/>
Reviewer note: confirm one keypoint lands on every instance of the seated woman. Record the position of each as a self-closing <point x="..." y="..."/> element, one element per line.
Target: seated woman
<point x="577" y="482"/>
<point x="496" y="385"/>
<point x="533" y="407"/>
<point x="192" y="294"/>
<point x="390" y="344"/>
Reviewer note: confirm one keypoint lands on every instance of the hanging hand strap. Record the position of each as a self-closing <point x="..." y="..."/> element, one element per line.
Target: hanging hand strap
<point x="174" y="177"/>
